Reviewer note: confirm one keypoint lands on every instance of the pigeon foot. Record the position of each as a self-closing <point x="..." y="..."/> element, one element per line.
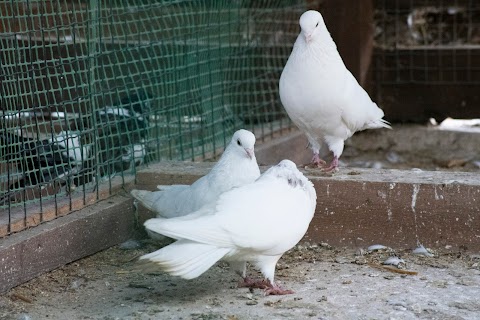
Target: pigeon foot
<point x="317" y="162"/>
<point x="275" y="290"/>
<point x="333" y="167"/>
<point x="266" y="285"/>
<point x="250" y="283"/>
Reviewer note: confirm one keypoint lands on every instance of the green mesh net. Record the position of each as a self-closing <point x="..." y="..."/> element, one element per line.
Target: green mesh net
<point x="93" y="90"/>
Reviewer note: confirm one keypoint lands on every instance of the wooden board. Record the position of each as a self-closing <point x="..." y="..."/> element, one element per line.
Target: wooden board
<point x="413" y="85"/>
<point x="30" y="253"/>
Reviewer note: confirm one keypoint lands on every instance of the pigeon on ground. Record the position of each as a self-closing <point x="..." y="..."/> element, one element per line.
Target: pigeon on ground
<point x="123" y="131"/>
<point x="40" y="164"/>
<point x="321" y="96"/>
<point x="70" y="141"/>
<point x="256" y="223"/>
<point x="237" y="167"/>
<point x="112" y="140"/>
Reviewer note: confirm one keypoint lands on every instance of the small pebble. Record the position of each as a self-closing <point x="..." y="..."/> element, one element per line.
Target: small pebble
<point x="326" y="245"/>
<point x="393" y="157"/>
<point x="130" y="245"/>
<point x="376" y="247"/>
<point x="342" y="260"/>
<point x="394" y="261"/>
<point x="248" y="296"/>
<point x="394" y="302"/>
<point x="422" y="251"/>
<point x="416" y="308"/>
<point x="75" y="284"/>
<point x="377" y="165"/>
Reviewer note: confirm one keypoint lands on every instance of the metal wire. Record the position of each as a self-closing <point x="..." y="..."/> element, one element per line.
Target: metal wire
<point x="93" y="90"/>
<point x="427" y="42"/>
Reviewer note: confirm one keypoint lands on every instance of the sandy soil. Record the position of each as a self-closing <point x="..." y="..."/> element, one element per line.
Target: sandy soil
<point x="329" y="283"/>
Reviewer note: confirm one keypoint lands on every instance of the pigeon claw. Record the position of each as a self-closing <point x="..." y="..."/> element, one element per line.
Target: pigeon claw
<point x="250" y="283"/>
<point x="328" y="168"/>
<point x="333" y="167"/>
<point x="266" y="285"/>
<point x="317" y="162"/>
<point x="276" y="290"/>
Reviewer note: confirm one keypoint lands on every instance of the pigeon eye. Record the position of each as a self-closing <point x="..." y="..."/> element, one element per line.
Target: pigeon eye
<point x="238" y="142"/>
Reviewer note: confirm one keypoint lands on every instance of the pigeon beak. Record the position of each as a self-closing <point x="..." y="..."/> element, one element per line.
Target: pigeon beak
<point x="308" y="37"/>
<point x="250" y="152"/>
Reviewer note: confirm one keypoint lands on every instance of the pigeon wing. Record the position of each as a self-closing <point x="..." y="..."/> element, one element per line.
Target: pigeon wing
<point x="256" y="217"/>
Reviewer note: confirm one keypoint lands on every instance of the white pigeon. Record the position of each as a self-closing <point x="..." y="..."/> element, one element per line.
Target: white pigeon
<point x="321" y="96"/>
<point x="256" y="223"/>
<point x="70" y="140"/>
<point x="237" y="167"/>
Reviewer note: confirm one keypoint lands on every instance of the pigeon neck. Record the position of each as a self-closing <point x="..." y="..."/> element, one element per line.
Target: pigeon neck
<point x="323" y="44"/>
<point x="230" y="154"/>
<point x="326" y="43"/>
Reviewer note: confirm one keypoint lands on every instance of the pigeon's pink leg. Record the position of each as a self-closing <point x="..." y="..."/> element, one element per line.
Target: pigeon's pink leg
<point x="273" y="289"/>
<point x="270" y="289"/>
<point x="316" y="161"/>
<point x="333" y="165"/>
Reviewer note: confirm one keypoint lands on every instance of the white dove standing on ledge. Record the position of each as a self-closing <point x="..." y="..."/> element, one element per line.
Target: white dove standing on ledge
<point x="256" y="222"/>
<point x="321" y="96"/>
<point x="237" y="167"/>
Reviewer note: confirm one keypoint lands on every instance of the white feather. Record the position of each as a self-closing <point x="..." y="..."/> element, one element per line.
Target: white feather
<point x="237" y="167"/>
<point x="256" y="222"/>
<point x="75" y="150"/>
<point x="186" y="259"/>
<point x="318" y="92"/>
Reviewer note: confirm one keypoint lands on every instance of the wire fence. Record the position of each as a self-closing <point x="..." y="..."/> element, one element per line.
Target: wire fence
<point x="427" y="42"/>
<point x="91" y="90"/>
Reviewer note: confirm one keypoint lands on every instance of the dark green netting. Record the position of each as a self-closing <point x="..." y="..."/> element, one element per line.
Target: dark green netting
<point x="91" y="90"/>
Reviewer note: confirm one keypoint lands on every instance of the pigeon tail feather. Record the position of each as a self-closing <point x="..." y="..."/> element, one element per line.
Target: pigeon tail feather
<point x="377" y="124"/>
<point x="184" y="258"/>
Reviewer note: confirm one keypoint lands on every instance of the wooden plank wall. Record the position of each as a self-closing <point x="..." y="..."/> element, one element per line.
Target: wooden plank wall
<point x="452" y="86"/>
<point x="350" y="24"/>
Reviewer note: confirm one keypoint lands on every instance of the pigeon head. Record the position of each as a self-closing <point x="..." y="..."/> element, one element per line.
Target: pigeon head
<point x="288" y="165"/>
<point x="312" y="25"/>
<point x="243" y="141"/>
<point x="287" y="170"/>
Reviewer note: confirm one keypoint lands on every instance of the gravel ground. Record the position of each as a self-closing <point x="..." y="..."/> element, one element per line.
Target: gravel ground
<point x="329" y="283"/>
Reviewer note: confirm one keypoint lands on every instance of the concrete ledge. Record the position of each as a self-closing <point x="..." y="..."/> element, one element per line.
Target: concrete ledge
<point x="359" y="207"/>
<point x="398" y="208"/>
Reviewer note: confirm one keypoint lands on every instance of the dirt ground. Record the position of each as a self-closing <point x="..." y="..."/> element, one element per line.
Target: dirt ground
<point x="329" y="283"/>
